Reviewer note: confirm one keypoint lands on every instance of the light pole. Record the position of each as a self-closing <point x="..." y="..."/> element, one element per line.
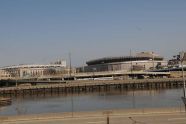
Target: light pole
<point x="183" y="77"/>
<point x="70" y="64"/>
<point x="72" y="104"/>
<point x="182" y="56"/>
<point x="153" y="60"/>
<point x="93" y="70"/>
<point x="131" y="68"/>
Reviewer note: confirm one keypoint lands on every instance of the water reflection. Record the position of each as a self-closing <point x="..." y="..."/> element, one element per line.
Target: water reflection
<point x="113" y="99"/>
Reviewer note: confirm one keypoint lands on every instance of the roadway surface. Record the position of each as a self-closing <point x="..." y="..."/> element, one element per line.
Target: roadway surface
<point x="101" y="118"/>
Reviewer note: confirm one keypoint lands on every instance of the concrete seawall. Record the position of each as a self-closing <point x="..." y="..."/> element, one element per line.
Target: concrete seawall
<point x="93" y="85"/>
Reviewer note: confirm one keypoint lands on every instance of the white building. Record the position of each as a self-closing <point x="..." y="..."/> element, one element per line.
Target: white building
<point x="35" y="70"/>
<point x="4" y="74"/>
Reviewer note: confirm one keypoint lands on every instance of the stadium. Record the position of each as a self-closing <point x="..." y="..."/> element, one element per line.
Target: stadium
<point x="139" y="62"/>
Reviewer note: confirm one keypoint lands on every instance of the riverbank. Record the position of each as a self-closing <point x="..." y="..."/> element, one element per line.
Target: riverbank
<point x="91" y="114"/>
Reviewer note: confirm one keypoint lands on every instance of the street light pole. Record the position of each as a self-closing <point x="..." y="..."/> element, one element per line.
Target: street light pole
<point x="183" y="98"/>
<point x="131" y="68"/>
<point x="72" y="105"/>
<point x="153" y="60"/>
<point x="182" y="57"/>
<point x="183" y="77"/>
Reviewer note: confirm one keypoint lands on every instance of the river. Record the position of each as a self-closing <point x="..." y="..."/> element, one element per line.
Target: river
<point x="113" y="99"/>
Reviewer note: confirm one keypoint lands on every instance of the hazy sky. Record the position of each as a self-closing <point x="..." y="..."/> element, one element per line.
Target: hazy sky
<point x="40" y="31"/>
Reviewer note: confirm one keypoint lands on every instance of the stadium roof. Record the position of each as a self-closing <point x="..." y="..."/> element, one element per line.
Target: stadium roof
<point x="121" y="59"/>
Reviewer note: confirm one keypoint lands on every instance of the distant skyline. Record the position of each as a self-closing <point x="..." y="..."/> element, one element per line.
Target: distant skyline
<point x="42" y="31"/>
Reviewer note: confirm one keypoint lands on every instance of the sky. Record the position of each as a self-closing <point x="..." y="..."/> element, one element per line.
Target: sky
<point x="42" y="31"/>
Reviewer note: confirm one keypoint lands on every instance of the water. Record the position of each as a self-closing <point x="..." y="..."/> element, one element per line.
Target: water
<point x="114" y="99"/>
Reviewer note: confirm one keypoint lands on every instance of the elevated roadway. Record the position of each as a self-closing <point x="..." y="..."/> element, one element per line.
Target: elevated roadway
<point x="99" y="75"/>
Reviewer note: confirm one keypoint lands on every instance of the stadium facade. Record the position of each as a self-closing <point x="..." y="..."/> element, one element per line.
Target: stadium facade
<point x="140" y="62"/>
<point x="34" y="70"/>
